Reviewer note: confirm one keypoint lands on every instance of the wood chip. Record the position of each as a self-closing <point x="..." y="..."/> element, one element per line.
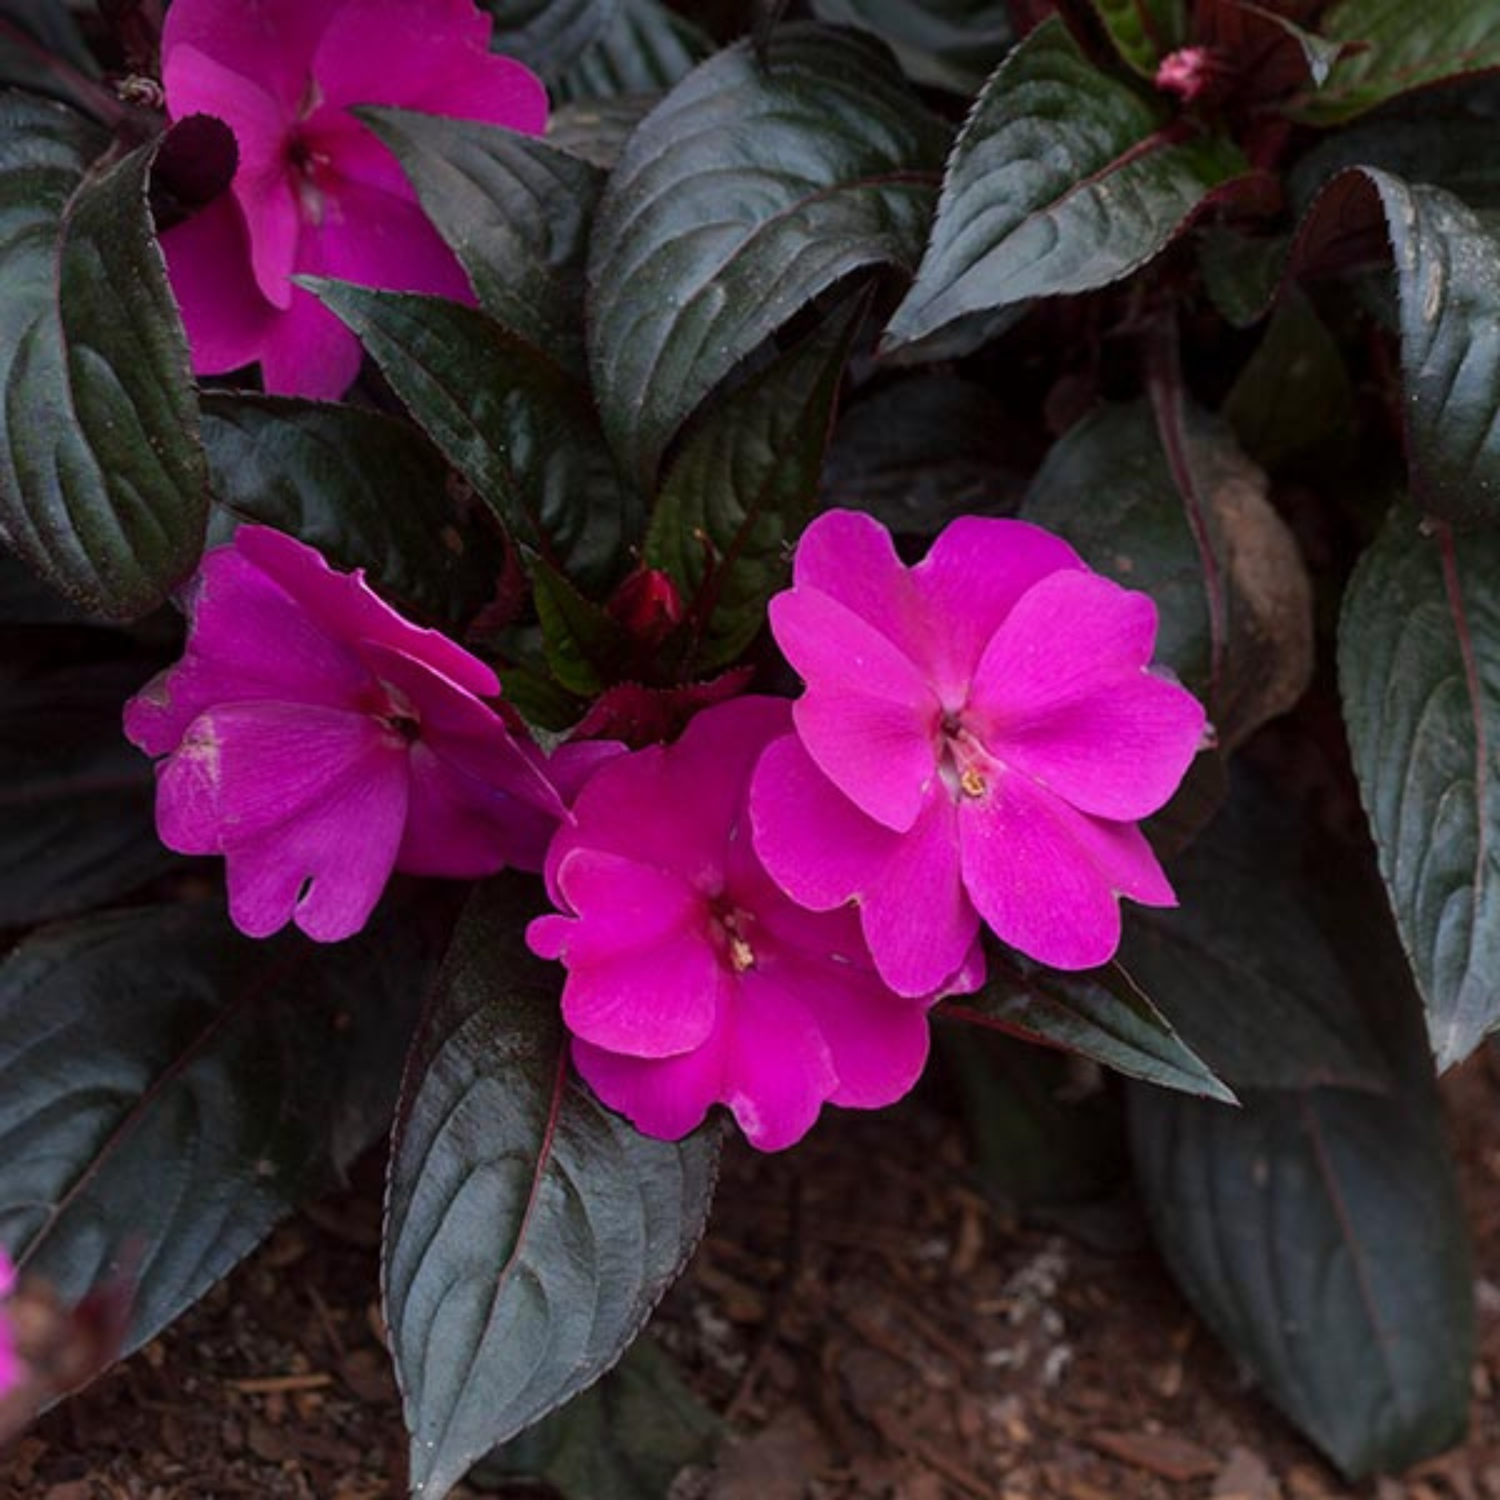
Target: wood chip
<point x="268" y="1385"/>
<point x="1161" y="1453"/>
<point x="1245" y="1476"/>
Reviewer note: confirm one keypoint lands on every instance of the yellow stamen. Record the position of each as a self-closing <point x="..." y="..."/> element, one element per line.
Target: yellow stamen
<point x="972" y="782"/>
<point x="741" y="954"/>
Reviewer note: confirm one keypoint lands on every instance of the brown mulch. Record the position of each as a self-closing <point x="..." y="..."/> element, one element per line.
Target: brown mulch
<point x="869" y="1323"/>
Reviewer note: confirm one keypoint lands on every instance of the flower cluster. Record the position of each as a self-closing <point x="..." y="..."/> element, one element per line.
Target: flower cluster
<point x="692" y="979"/>
<point x="762" y="913"/>
<point x="314" y="192"/>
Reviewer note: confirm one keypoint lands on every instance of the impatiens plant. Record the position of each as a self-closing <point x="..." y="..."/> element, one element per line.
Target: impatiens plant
<point x="659" y="568"/>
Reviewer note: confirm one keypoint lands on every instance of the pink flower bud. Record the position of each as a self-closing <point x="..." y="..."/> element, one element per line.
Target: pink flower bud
<point x="1189" y="72"/>
<point x="648" y="605"/>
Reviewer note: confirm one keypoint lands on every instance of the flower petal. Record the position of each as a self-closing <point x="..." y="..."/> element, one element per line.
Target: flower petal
<point x="972" y="577"/>
<point x="377" y="238"/>
<point x="459" y="828"/>
<point x="308" y="352"/>
<point x="271" y="41"/>
<point x="1046" y="878"/>
<point x="454" y="725"/>
<point x="777" y="1068"/>
<point x="813" y="841"/>
<point x="918" y="919"/>
<point x="877" y="1041"/>
<point x="634" y="805"/>
<point x="497" y="90"/>
<point x="849" y="556"/>
<point x="250" y="642"/>
<point x="868" y="719"/>
<point x="199" y="84"/>
<point x="644" y="977"/>
<point x="346" y="607"/>
<point x="665" y="1097"/>
<point x="1062" y="695"/>
<point x="306" y="804"/>
<point x="396" y="51"/>
<point x="225" y="316"/>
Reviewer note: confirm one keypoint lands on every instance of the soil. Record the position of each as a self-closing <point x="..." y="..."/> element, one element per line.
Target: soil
<point x="871" y="1325"/>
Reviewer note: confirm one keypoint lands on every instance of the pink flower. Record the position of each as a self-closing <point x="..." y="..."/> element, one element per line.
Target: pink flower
<point x="978" y="736"/>
<point x="692" y="980"/>
<point x="11" y="1368"/>
<point x="315" y="191"/>
<point x="318" y="741"/>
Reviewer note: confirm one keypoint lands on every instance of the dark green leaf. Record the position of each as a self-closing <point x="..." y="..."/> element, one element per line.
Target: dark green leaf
<point x="949" y="44"/>
<point x="362" y="488"/>
<point x="1204" y="542"/>
<point x="530" y="688"/>
<point x="645" y="49"/>
<point x="518" y="428"/>
<point x="1101" y="1015"/>
<point x="1063" y="180"/>
<point x="743" y="489"/>
<point x="102" y="480"/>
<point x="549" y="35"/>
<point x="597" y="129"/>
<point x="530" y="1232"/>
<point x="922" y="450"/>
<point x="1419" y="668"/>
<point x="1241" y="272"/>
<point x="1446" y="148"/>
<point x="1404" y="47"/>
<point x="1318" y="53"/>
<point x="26" y="600"/>
<point x="1144" y="31"/>
<point x="1320" y="1235"/>
<point x="50" y="24"/>
<point x="625" y="1438"/>
<point x="1246" y="967"/>
<point x="516" y="213"/>
<point x="41" y="50"/>
<point x="76" y="800"/>
<point x="1448" y="284"/>
<point x="586" y="647"/>
<point x="169" y="1089"/>
<point x="1294" y="394"/>
<point x="747" y="192"/>
<point x="1037" y="1145"/>
<point x="1318" y="1228"/>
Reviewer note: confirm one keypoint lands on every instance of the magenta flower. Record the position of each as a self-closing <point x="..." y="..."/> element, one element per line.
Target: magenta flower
<point x="318" y="741"/>
<point x="315" y="192"/>
<point x="978" y="737"/>
<point x="11" y="1368"/>
<point x="692" y="980"/>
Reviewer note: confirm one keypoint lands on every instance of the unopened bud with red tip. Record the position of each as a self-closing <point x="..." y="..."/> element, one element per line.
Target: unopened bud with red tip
<point x="1189" y="72"/>
<point x="648" y="605"/>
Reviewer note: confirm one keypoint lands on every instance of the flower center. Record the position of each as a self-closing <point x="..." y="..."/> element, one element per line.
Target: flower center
<point x="732" y="928"/>
<point x="964" y="764"/>
<point x="395" y="713"/>
<point x="310" y="168"/>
